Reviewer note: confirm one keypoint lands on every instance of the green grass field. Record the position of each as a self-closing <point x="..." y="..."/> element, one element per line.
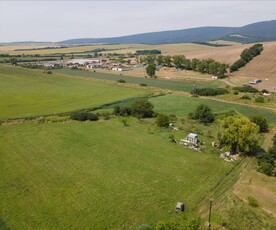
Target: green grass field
<point x="183" y="105"/>
<point x="27" y="92"/>
<point x="101" y="174"/>
<point x="185" y="86"/>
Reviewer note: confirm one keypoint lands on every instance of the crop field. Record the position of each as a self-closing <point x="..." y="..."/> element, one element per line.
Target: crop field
<point x="165" y="73"/>
<point x="185" y="86"/>
<point x="26" y="92"/>
<point x="98" y="174"/>
<point x="124" y="48"/>
<point x="183" y="105"/>
<point x="261" y="67"/>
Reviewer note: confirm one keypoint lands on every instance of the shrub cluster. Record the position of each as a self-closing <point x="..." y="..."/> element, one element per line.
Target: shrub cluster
<point x="246" y="56"/>
<point x="203" y="113"/>
<point x="266" y="160"/>
<point x="146" y="52"/>
<point x="209" y="91"/>
<point x="245" y="97"/>
<point x="121" y="81"/>
<point x="259" y="99"/>
<point x="122" y="111"/>
<point x="261" y="121"/>
<point x="84" y="116"/>
<point x="162" y="120"/>
<point x="246" y="89"/>
<point x="140" y="108"/>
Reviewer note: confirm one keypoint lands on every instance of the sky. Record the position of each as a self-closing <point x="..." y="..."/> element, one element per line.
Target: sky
<point x="61" y="20"/>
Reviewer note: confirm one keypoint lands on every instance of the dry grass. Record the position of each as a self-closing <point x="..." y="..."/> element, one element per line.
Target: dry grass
<point x="222" y="42"/>
<point x="10" y="49"/>
<point x="260" y="186"/>
<point x="165" y="73"/>
<point x="169" y="49"/>
<point x="262" y="67"/>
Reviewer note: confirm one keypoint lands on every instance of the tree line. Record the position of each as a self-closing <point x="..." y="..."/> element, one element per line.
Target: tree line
<point x="246" y="56"/>
<point x="180" y="62"/>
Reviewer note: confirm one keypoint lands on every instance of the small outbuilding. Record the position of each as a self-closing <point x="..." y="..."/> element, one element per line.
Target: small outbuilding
<point x="180" y="207"/>
<point x="192" y="138"/>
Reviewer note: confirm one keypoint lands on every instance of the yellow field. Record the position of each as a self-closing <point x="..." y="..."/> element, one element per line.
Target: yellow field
<point x="169" y="49"/>
<point x="165" y="73"/>
<point x="260" y="186"/>
<point x="10" y="49"/>
<point x="261" y="67"/>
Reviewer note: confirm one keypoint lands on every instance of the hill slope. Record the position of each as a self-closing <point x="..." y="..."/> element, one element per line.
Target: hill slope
<point x="261" y="31"/>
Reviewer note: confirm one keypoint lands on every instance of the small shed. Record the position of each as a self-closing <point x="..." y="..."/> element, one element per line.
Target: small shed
<point x="192" y="138"/>
<point x="179" y="207"/>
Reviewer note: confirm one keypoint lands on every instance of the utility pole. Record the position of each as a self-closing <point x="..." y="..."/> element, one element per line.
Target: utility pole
<point x="210" y="212"/>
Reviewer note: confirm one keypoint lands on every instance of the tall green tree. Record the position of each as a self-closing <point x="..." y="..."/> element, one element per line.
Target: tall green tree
<point x="167" y="61"/>
<point x="238" y="134"/>
<point x="179" y="61"/>
<point x="159" y="59"/>
<point x="150" y="69"/>
<point x="142" y="108"/>
<point x="204" y="114"/>
<point x="261" y="121"/>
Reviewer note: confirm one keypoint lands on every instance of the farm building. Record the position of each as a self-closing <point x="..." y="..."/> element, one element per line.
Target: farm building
<point x="121" y="68"/>
<point x="54" y="63"/>
<point x="192" y="138"/>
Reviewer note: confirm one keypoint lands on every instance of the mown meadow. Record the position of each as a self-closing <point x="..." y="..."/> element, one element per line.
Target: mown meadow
<point x="185" y="86"/>
<point x="105" y="174"/>
<point x="100" y="175"/>
<point x="26" y="92"/>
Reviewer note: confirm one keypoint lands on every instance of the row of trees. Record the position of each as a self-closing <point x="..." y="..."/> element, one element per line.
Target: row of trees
<point x="209" y="66"/>
<point x="246" y="56"/>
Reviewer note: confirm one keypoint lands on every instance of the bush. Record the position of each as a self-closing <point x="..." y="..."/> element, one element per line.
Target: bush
<point x="246" y="89"/>
<point x="142" y="108"/>
<point x="235" y="92"/>
<point x="122" y="111"/>
<point x="106" y="115"/>
<point x="266" y="161"/>
<point x="83" y="116"/>
<point x="261" y="121"/>
<point x="265" y="91"/>
<point x="49" y="72"/>
<point x="143" y="84"/>
<point x="266" y="168"/>
<point x="245" y="97"/>
<point x="209" y="91"/>
<point x="259" y="100"/>
<point x="162" y="120"/>
<point x="124" y="121"/>
<point x="253" y="202"/>
<point x="121" y="81"/>
<point x="203" y="113"/>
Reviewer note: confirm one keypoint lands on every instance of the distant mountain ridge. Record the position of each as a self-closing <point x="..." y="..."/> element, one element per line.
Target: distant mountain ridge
<point x="256" y="32"/>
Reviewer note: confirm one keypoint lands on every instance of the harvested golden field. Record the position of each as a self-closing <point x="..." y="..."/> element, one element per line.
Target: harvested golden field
<point x="165" y="73"/>
<point x="260" y="186"/>
<point x="261" y="67"/>
<point x="227" y="54"/>
<point x="169" y="49"/>
<point x="10" y="49"/>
